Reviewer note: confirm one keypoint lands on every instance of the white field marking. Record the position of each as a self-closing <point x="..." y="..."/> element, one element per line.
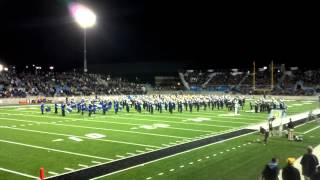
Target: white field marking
<point x="165" y="145"/>
<point x="190" y="163"/>
<point x="209" y="115"/>
<point x="104" y="129"/>
<point x="60" y="121"/>
<point x="57" y="140"/>
<point x="306" y="132"/>
<point x="249" y="142"/>
<point x="239" y="146"/>
<point x="190" y="150"/>
<point x="13" y="126"/>
<point x="82" y="165"/>
<point x="199" y="160"/>
<point x="69" y="169"/>
<point x="55" y="150"/>
<point x="172" y="170"/>
<point x="18" y="173"/>
<point x="139" y="151"/>
<point x="53" y="122"/>
<point x="75" y="139"/>
<point x="221" y="152"/>
<point x="160" y="174"/>
<point x="21" y="124"/>
<point x="178" y="141"/>
<point x="214" y="154"/>
<point x="95" y="135"/>
<point x="128" y="123"/>
<point x="208" y="157"/>
<point x="149" y="149"/>
<point x="53" y="173"/>
<point x="131" y="154"/>
<point x="173" y="143"/>
<point x="13" y="106"/>
<point x="96" y="162"/>
<point x="233" y="148"/>
<point x="244" y="144"/>
<point x="30" y="124"/>
<point x="182" y="166"/>
<point x="228" y="115"/>
<point x="68" y="135"/>
<point x="134" y="128"/>
<point x="148" y="178"/>
<point x="119" y="156"/>
<point x="227" y="150"/>
<point x="140" y="119"/>
<point x="248" y="119"/>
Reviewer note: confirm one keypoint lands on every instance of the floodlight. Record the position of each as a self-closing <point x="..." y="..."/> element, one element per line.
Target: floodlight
<point x="84" y="16"/>
<point x="1" y="67"/>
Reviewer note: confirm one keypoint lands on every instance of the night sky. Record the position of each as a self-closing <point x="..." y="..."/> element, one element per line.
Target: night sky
<point x="204" y="34"/>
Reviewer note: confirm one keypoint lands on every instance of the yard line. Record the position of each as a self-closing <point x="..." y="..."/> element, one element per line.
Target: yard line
<point x="96" y="162"/>
<point x="55" y="150"/>
<point x="149" y="149"/>
<point x="131" y="154"/>
<point x="184" y="116"/>
<point x="84" y="137"/>
<point x="18" y="173"/>
<point x="119" y="156"/>
<point x="139" y="151"/>
<point x="53" y="173"/>
<point x="105" y="129"/>
<point x="306" y="132"/>
<point x="82" y="165"/>
<point x="119" y="117"/>
<point x="57" y="140"/>
<point x="69" y="169"/>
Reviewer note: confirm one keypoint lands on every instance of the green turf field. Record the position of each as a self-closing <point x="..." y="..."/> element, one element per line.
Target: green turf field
<point x="29" y="140"/>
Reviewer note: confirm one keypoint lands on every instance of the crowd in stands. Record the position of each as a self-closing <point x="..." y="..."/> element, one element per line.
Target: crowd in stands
<point x="60" y="84"/>
<point x="289" y="82"/>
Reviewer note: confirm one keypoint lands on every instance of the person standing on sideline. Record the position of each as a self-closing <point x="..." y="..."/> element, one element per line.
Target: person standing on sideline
<point x="309" y="163"/>
<point x="271" y="170"/>
<point x="289" y="172"/>
<point x="266" y="136"/>
<point x="290" y="131"/>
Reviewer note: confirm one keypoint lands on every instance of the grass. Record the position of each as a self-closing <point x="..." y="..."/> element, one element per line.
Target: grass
<point x="29" y="140"/>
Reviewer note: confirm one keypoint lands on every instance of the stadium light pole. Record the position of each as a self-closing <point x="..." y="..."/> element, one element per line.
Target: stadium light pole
<point x="86" y="19"/>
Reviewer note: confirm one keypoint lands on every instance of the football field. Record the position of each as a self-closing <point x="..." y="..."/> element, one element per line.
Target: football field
<point x="30" y="140"/>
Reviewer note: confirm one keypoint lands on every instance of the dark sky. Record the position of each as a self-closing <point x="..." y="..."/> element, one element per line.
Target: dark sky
<point x="201" y="33"/>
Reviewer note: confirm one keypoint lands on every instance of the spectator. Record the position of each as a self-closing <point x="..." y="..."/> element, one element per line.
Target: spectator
<point x="289" y="172"/>
<point x="290" y="132"/>
<point x="271" y="170"/>
<point x="309" y="163"/>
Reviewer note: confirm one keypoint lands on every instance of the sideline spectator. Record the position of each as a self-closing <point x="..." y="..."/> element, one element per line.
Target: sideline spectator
<point x="309" y="163"/>
<point x="271" y="170"/>
<point x="289" y="172"/>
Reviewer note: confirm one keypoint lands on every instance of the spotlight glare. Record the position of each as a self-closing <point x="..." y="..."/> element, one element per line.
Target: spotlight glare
<point x="83" y="15"/>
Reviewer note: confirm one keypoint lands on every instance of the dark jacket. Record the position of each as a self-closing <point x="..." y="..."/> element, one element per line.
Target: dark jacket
<point x="270" y="172"/>
<point x="309" y="163"/>
<point x="290" y="173"/>
<point x="316" y="176"/>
